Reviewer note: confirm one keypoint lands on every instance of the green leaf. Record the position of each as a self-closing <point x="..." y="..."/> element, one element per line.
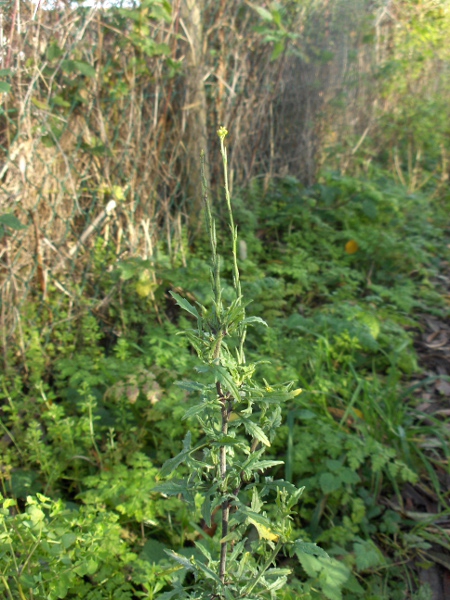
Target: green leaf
<point x="280" y="484"/>
<point x="209" y="574"/>
<point x="84" y="68"/>
<point x="170" y="465"/>
<point x="256" y="503"/>
<point x="185" y="305"/>
<point x="227" y="440"/>
<point x="190" y="386"/>
<point x="250" y="320"/>
<point x="37" y="516"/>
<point x="26" y="580"/>
<point x="301" y="547"/>
<point x="91" y="566"/>
<point x="369" y="208"/>
<point x="161" y="49"/>
<point x="59" y="101"/>
<point x="4" y="87"/>
<point x="8" y="503"/>
<point x="223" y="376"/>
<point x="172" y="594"/>
<point x="275" y="397"/>
<point x="68" y="66"/>
<point x="253" y="463"/>
<point x="97" y="150"/>
<point x="153" y="551"/>
<point x="62" y="585"/>
<point x="204" y="550"/>
<point x="171" y="488"/>
<point x="263" y="13"/>
<point x="254" y="516"/>
<point x="276" y="572"/>
<point x="329" y="483"/>
<point x="295" y="497"/>
<point x="181" y="560"/>
<point x="332" y="574"/>
<point x="5" y="73"/>
<point x="68" y="539"/>
<point x="262" y="465"/>
<point x="88" y="567"/>
<point x="367" y="556"/>
<point x="255" y="430"/>
<point x="277" y="50"/>
<point x="39" y="104"/>
<point x="53" y="51"/>
<point x="194" y="410"/>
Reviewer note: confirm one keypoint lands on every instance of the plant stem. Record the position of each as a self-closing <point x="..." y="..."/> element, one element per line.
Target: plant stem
<point x="223" y="474"/>
<point x="221" y="331"/>
<point x="236" y="278"/>
<point x="5" y="583"/>
<point x="269" y="561"/>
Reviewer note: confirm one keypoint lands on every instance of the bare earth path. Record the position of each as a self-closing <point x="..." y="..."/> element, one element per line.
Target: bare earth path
<point x="432" y="389"/>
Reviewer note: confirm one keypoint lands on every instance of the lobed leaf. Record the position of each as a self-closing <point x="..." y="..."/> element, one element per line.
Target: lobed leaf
<point x="301" y="547"/>
<point x="185" y="304"/>
<point x="255" y="430"/>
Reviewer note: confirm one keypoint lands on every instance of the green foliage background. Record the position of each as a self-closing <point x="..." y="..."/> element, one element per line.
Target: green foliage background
<point x="89" y="422"/>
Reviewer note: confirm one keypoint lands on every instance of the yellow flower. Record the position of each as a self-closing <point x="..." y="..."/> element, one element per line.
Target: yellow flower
<point x="351" y="247"/>
<point x="222" y="132"/>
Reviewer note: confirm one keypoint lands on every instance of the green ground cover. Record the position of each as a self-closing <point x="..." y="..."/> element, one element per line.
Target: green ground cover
<point x="342" y="272"/>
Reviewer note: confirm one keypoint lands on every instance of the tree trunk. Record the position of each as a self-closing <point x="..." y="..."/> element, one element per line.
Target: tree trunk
<point x="196" y="134"/>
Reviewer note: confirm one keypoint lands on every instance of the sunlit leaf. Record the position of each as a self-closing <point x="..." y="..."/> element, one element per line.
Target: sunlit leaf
<point x="264" y="13"/>
<point x="39" y="104"/>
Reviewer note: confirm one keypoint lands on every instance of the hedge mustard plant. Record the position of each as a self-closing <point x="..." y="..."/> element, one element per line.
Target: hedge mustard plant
<point x="238" y="419"/>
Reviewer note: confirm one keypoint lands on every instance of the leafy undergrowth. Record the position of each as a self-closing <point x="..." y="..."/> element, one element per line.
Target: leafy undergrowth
<point x="342" y="272"/>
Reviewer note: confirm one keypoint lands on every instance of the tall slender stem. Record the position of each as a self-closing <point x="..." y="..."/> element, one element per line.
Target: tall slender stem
<point x="223" y="475"/>
<point x="236" y="278"/>
<point x="222" y="133"/>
